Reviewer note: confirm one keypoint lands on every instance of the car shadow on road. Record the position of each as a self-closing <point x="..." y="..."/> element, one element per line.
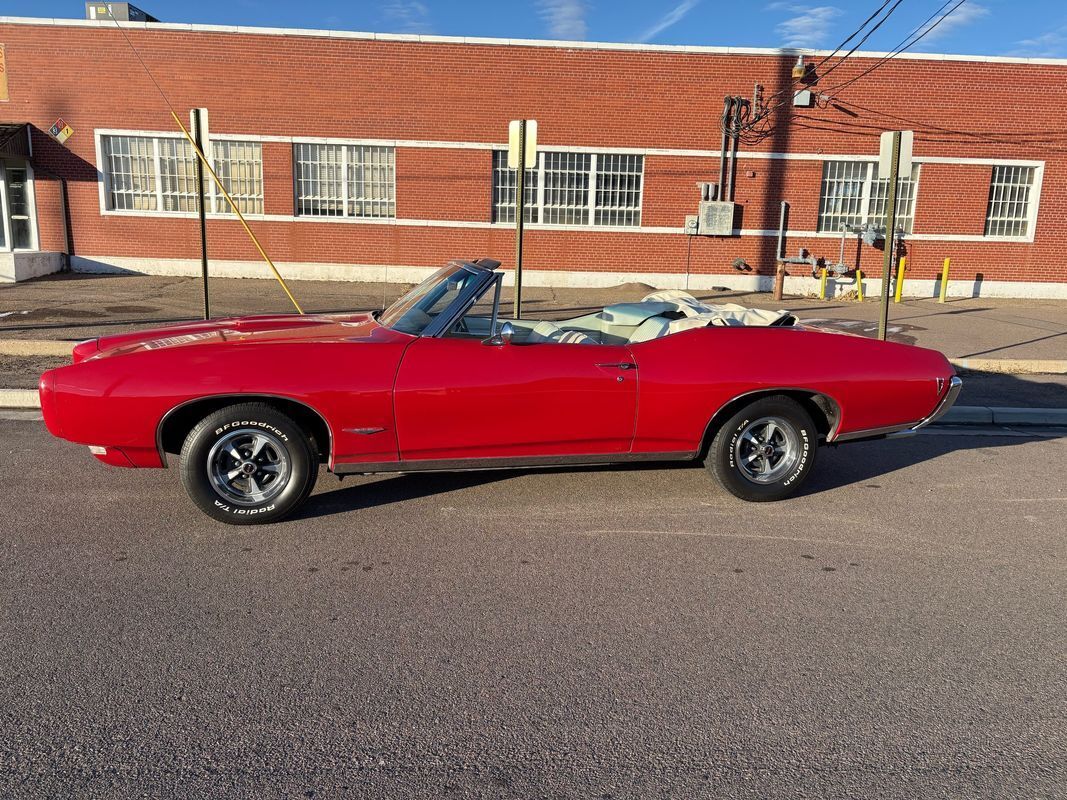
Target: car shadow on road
<point x="836" y="467"/>
<point x="857" y="462"/>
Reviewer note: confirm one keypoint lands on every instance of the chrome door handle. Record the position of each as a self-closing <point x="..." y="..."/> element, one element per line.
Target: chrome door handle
<point x="623" y="365"/>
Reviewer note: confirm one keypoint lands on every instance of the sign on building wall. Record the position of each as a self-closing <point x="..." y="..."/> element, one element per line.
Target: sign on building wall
<point x="4" y="96"/>
<point x="61" y="131"/>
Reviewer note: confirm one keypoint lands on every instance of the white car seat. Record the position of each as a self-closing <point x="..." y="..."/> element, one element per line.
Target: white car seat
<point x="651" y="328"/>
<point x="546" y="331"/>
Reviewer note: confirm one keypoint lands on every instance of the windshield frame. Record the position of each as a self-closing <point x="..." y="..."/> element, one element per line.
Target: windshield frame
<point x="444" y="320"/>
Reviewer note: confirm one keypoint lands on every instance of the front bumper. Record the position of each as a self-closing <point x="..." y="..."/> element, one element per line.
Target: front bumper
<point x="955" y="385"/>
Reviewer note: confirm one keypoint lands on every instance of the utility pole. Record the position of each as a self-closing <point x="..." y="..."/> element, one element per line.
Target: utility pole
<point x="199" y="124"/>
<point x="890" y="231"/>
<point x="520" y="216"/>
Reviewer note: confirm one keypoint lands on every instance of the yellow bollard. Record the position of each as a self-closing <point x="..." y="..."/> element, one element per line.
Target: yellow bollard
<point x="859" y="285"/>
<point x="900" y="279"/>
<point x="944" y="282"/>
<point x="822" y="285"/>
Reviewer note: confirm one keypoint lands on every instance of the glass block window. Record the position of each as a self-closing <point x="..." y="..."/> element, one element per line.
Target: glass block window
<point x="239" y="166"/>
<point x="1010" y="199"/>
<point x="569" y="188"/>
<point x="130" y="172"/>
<point x="566" y="196"/>
<point x="177" y="174"/>
<point x="158" y="173"/>
<point x="335" y="180"/>
<point x="852" y="195"/>
<point x="618" y="189"/>
<point x="505" y="185"/>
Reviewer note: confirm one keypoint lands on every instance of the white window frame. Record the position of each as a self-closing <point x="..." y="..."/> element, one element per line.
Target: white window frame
<point x="345" y="198"/>
<point x="1033" y="203"/>
<point x="217" y="207"/>
<point x="869" y="168"/>
<point x="589" y="209"/>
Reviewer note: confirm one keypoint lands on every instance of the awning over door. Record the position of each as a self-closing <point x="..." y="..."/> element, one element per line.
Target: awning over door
<point x="14" y="140"/>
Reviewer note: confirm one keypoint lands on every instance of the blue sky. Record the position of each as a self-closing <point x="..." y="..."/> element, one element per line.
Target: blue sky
<point x="985" y="27"/>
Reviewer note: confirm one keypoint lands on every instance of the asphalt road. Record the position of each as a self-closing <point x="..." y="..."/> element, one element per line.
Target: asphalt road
<point x="897" y="631"/>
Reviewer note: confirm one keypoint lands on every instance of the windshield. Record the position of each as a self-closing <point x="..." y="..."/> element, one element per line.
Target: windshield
<point x="413" y="312"/>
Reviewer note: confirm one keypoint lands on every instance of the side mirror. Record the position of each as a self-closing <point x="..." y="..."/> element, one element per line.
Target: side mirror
<point x="507" y="330"/>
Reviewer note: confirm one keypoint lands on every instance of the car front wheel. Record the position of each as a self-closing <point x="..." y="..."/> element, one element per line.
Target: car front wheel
<point x="764" y="451"/>
<point x="247" y="464"/>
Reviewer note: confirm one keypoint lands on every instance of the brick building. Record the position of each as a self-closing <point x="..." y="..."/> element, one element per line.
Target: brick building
<point x="367" y="156"/>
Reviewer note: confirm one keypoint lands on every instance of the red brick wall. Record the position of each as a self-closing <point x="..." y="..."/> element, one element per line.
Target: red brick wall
<point x="304" y="86"/>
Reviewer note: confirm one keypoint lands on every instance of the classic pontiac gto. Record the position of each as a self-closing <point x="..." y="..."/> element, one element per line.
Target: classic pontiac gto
<point x="439" y="381"/>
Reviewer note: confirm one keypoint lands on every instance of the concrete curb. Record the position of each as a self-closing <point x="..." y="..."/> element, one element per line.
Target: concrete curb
<point x="19" y="398"/>
<point x="1012" y="366"/>
<point x="35" y="347"/>
<point x="1004" y="415"/>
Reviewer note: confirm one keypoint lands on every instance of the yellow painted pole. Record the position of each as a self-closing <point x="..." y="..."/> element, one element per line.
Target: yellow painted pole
<point x="900" y="279"/>
<point x="822" y="285"/>
<point x="859" y="285"/>
<point x="944" y="281"/>
<point x="237" y="211"/>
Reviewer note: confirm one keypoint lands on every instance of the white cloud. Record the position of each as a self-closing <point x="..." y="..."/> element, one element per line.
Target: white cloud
<point x="964" y="15"/>
<point x="565" y="18"/>
<point x="667" y="20"/>
<point x="809" y="28"/>
<point x="408" y="16"/>
<point x="1051" y="44"/>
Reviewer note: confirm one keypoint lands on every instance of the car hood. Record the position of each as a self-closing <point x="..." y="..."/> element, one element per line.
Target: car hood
<point x="242" y="330"/>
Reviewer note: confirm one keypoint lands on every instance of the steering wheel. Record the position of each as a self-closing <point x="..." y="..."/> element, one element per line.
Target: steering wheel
<point x="462" y="325"/>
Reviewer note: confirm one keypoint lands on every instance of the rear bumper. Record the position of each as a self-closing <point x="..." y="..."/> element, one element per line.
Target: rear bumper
<point x="955" y="385"/>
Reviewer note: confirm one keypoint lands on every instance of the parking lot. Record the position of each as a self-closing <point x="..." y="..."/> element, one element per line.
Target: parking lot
<point x="896" y="631"/>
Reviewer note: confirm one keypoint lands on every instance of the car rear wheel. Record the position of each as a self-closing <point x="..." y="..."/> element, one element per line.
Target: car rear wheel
<point x="764" y="451"/>
<point x="247" y="464"/>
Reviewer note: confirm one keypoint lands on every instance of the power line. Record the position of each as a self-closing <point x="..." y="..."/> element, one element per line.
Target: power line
<point x="908" y="42"/>
<point x="913" y="38"/>
<point x="795" y="81"/>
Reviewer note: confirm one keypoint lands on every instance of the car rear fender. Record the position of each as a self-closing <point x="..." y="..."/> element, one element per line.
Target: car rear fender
<point x="825" y="411"/>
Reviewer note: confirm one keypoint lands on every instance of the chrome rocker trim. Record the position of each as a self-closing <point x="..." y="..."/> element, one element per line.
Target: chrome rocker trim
<point x="518" y="462"/>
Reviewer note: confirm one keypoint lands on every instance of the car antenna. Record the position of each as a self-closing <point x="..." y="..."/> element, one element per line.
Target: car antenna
<point x="207" y="165"/>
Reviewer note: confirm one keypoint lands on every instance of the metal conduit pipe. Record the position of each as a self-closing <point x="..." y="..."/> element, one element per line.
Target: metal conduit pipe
<point x="727" y="110"/>
<point x="734" y="137"/>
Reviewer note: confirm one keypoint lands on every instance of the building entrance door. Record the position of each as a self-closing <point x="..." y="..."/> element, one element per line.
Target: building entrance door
<point x="18" y="231"/>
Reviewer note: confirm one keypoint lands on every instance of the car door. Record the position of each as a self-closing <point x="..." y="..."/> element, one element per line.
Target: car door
<point x="462" y="398"/>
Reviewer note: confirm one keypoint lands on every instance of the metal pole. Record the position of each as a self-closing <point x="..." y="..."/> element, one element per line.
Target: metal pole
<point x="779" y="264"/>
<point x="727" y="109"/>
<point x="520" y="215"/>
<point x="890" y="235"/>
<point x="734" y="136"/>
<point x="198" y="132"/>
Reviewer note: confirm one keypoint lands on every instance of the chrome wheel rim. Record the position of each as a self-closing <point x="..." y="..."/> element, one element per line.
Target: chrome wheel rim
<point x="248" y="467"/>
<point x="767" y="450"/>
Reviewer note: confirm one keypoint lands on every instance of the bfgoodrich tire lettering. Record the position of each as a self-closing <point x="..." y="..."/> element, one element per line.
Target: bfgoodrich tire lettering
<point x="765" y="451"/>
<point x="247" y="464"/>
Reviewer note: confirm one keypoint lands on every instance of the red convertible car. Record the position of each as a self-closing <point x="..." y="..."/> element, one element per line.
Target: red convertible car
<point x="439" y="381"/>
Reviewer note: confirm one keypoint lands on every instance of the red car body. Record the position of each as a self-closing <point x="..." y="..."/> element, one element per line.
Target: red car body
<point x="374" y="398"/>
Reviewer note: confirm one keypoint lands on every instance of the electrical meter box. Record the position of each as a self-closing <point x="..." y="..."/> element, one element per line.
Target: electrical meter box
<point x="716" y="218"/>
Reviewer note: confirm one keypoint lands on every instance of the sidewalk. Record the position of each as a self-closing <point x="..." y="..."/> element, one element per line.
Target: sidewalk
<point x="80" y="306"/>
<point x="994" y="333"/>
